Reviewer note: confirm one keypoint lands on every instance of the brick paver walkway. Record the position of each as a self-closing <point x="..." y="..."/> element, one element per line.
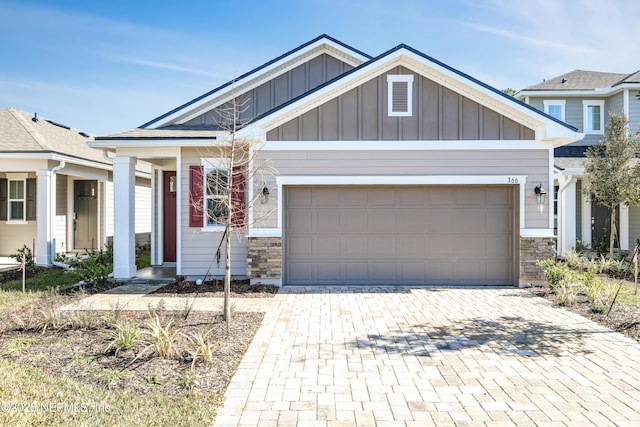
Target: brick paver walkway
<point x="402" y="357"/>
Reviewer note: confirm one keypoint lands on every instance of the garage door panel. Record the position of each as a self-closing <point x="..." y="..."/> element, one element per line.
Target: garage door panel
<point x="327" y="272"/>
<point x="301" y="222"/>
<point x="440" y="220"/>
<point x="499" y="197"/>
<point x="469" y="196"/>
<point x="382" y="247"/>
<point x="399" y="235"/>
<point x="382" y="220"/>
<point x="354" y="221"/>
<point x="299" y="246"/>
<point x="354" y="272"/>
<point x="498" y="221"/>
<point x="327" y="246"/>
<point x="469" y="221"/>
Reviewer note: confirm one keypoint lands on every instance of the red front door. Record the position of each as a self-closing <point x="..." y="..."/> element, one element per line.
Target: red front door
<point x="169" y="226"/>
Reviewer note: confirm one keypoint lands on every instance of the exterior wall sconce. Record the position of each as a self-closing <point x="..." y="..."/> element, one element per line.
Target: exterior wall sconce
<point x="541" y="194"/>
<point x="264" y="195"/>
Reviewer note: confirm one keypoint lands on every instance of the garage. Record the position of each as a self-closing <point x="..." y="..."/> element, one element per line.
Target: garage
<point x="400" y="235"/>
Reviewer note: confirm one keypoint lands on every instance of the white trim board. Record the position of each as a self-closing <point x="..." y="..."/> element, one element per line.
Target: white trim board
<point x="502" y="145"/>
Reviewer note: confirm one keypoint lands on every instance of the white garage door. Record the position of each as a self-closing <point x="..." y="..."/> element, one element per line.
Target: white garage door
<point x="399" y="235"/>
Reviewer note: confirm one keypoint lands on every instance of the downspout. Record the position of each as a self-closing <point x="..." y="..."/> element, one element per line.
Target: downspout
<point x="563" y="219"/>
<point x="52" y="249"/>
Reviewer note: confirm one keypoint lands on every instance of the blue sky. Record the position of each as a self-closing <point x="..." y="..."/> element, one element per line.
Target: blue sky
<point x="109" y="66"/>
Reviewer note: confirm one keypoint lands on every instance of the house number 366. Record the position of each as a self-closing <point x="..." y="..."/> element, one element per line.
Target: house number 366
<point x="512" y="180"/>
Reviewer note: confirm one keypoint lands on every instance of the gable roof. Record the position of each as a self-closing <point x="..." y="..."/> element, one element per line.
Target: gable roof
<point x="400" y="47"/>
<point x="20" y="133"/>
<point x="361" y="56"/>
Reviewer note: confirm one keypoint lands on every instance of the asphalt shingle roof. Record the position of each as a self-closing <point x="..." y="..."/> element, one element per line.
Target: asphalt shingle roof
<point x="20" y="134"/>
<point x="582" y="80"/>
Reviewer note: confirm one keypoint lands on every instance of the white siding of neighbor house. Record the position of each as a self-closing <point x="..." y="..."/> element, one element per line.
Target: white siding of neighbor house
<point x="60" y="219"/>
<point x="532" y="163"/>
<point x="634" y="225"/>
<point x="143" y="205"/>
<point x="14" y="236"/>
<point x="199" y="247"/>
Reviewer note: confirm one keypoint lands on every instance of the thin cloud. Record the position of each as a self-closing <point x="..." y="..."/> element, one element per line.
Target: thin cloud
<point x="164" y="66"/>
<point x="529" y="40"/>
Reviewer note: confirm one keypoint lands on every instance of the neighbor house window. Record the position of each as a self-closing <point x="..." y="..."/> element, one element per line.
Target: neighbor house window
<point x="216" y="194"/>
<point x="593" y="113"/>
<point x="554" y="108"/>
<point x="17" y="200"/>
<point x="400" y="88"/>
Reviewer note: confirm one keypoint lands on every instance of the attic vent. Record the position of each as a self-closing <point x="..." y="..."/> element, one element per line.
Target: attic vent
<point x="400" y="101"/>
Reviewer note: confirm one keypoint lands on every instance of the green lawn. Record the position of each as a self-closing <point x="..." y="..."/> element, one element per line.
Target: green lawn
<point x="59" y="401"/>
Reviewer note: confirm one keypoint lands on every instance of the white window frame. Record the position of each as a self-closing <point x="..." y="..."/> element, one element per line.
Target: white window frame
<point x="585" y="115"/>
<point x="395" y="78"/>
<point x="209" y="164"/>
<point x="11" y="200"/>
<point x="553" y="102"/>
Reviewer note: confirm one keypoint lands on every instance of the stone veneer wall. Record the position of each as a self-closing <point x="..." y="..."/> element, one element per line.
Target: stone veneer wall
<point x="264" y="257"/>
<point x="531" y="250"/>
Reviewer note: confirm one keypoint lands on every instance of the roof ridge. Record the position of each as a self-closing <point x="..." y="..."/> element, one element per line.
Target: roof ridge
<point x="37" y="137"/>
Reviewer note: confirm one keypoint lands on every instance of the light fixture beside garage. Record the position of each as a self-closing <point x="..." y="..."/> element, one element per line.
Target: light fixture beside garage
<point x="264" y="195"/>
<point x="541" y="194"/>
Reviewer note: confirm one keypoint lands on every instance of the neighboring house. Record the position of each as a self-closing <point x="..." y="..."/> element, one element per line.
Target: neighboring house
<point x="585" y="99"/>
<point x="56" y="193"/>
<point x="397" y="169"/>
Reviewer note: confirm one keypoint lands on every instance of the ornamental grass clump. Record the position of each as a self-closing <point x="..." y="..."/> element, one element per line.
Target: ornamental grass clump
<point x="159" y="338"/>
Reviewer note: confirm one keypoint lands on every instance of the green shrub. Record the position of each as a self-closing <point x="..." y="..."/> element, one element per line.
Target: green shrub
<point x="600" y="292"/>
<point x="95" y="268"/>
<point x="29" y="260"/>
<point x="555" y="273"/>
<point x="566" y="293"/>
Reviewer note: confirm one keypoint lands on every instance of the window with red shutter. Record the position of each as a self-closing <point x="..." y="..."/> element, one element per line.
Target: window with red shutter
<point x="196" y="196"/>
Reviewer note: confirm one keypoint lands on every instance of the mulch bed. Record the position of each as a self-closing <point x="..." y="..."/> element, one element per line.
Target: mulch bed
<point x="215" y="288"/>
<point x="79" y="352"/>
<point x="623" y="318"/>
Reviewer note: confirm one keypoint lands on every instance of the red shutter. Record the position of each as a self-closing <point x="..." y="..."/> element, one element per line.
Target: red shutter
<point x="196" y="196"/>
<point x="238" y="180"/>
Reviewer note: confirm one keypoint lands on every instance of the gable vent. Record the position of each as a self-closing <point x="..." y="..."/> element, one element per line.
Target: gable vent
<point x="400" y="94"/>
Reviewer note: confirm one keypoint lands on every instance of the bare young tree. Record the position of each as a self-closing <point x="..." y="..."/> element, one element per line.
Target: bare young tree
<point x="228" y="166"/>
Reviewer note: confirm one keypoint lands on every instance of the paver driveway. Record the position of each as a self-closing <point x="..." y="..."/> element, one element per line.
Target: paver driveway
<point x="430" y="356"/>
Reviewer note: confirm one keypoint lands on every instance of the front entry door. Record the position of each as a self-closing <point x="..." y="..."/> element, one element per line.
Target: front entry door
<point x="85" y="223"/>
<point x="169" y="226"/>
<point x="601" y="224"/>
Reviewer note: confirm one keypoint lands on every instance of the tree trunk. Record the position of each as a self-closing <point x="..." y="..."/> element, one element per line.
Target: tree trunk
<point x="612" y="234"/>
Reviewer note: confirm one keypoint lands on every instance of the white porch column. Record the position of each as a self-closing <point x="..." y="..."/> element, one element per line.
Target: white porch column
<point x="624" y="227"/>
<point x="44" y="217"/>
<point x="567" y="213"/>
<point x="124" y="232"/>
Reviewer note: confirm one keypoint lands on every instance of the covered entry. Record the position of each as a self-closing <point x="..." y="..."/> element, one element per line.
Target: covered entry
<point x="437" y="234"/>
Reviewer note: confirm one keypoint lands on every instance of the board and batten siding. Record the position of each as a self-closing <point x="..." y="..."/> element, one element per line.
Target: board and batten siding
<point x="279" y="90"/>
<point x="532" y="163"/>
<point x="199" y="247"/>
<point x="361" y="114"/>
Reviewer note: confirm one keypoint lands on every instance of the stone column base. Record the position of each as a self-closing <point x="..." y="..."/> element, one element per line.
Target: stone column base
<point x="264" y="260"/>
<point x="533" y="249"/>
